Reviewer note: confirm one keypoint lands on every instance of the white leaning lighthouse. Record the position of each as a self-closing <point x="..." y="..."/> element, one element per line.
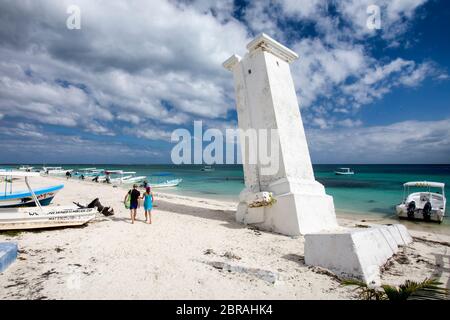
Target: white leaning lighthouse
<point x="266" y="99"/>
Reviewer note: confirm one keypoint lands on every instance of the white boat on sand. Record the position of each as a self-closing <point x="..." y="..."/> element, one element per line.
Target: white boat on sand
<point x="42" y="217"/>
<point x="10" y="198"/>
<point x="423" y="204"/>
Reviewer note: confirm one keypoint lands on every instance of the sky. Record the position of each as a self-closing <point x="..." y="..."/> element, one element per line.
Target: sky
<point x="114" y="90"/>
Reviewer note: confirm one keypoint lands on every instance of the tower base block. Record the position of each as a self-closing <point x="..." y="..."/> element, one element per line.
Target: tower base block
<point x="356" y="253"/>
<point x="301" y="207"/>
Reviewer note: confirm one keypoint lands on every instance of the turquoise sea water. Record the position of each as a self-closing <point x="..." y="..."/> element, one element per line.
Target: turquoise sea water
<point x="373" y="190"/>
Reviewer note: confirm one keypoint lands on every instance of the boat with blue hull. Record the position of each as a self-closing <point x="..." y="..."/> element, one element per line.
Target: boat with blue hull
<point x="38" y="217"/>
<point x="25" y="198"/>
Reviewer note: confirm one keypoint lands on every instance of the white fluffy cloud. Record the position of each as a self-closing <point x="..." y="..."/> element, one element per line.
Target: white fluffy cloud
<point x="395" y="15"/>
<point x="135" y="61"/>
<point x="402" y="142"/>
<point x="336" y="72"/>
<point x="34" y="144"/>
<point x="142" y="68"/>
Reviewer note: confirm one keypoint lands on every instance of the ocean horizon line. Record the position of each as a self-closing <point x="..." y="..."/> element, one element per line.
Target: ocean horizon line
<point x="218" y="165"/>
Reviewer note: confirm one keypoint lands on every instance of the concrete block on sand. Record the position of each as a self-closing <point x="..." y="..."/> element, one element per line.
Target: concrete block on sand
<point x="355" y="253"/>
<point x="8" y="254"/>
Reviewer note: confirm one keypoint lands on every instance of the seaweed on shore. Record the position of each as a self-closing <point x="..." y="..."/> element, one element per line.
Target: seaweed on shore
<point x="11" y="233"/>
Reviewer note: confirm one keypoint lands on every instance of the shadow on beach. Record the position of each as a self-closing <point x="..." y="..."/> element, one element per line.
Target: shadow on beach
<point x="442" y="265"/>
<point x="227" y="216"/>
<point x="196" y="211"/>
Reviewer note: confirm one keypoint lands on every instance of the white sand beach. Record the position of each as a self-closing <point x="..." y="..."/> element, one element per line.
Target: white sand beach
<point x="193" y="250"/>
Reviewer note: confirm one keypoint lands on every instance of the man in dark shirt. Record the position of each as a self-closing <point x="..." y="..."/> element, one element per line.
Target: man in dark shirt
<point x="134" y="195"/>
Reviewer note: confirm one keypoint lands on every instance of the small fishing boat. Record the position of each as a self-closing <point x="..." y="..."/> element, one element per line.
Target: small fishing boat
<point x="167" y="184"/>
<point x="423" y="203"/>
<point x="207" y="168"/>
<point x="26" y="168"/>
<point x="88" y="172"/>
<point x="41" y="217"/>
<point x="344" y="171"/>
<point x="55" y="171"/>
<point x="99" y="178"/>
<point x="117" y="176"/>
<point x="163" y="182"/>
<point x="134" y="180"/>
<point x="24" y="198"/>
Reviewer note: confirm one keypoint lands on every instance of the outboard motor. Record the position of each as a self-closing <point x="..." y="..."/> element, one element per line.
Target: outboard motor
<point x="426" y="211"/>
<point x="410" y="209"/>
<point x="106" y="211"/>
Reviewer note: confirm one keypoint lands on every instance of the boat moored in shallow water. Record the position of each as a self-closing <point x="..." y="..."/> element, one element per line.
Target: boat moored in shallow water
<point x="423" y="204"/>
<point x="344" y="171"/>
<point x="26" y="168"/>
<point x="55" y="171"/>
<point x="117" y="177"/>
<point x="207" y="168"/>
<point x="162" y="180"/>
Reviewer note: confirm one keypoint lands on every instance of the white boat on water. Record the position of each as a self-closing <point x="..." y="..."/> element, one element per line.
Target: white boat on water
<point x="162" y="180"/>
<point x="344" y="171"/>
<point x="26" y="168"/>
<point x="207" y="168"/>
<point x="134" y="180"/>
<point x="88" y="172"/>
<point x="41" y="217"/>
<point x="117" y="177"/>
<point x="423" y="204"/>
<point x="55" y="171"/>
<point x="167" y="183"/>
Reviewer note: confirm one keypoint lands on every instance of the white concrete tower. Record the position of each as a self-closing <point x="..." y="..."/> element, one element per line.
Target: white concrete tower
<point x="266" y="99"/>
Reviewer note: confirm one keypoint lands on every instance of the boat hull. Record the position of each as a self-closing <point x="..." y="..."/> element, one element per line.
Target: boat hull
<point x="168" y="184"/>
<point x="25" y="199"/>
<point x="27" y="202"/>
<point x="436" y="215"/>
<point x="134" y="180"/>
<point x="34" y="218"/>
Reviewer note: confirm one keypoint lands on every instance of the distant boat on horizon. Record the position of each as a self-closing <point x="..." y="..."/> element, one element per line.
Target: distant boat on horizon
<point x="344" y="171"/>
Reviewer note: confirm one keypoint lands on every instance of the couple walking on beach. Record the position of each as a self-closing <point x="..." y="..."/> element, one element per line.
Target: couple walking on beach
<point x="133" y="197"/>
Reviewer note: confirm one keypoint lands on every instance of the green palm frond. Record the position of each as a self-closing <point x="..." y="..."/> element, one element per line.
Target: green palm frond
<point x="429" y="289"/>
<point x="365" y="293"/>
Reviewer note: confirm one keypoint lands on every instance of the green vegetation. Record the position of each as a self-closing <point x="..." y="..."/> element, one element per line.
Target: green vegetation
<point x="429" y="289"/>
<point x="11" y="233"/>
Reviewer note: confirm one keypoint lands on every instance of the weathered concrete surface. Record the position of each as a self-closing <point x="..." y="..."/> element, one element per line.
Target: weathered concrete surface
<point x="8" y="254"/>
<point x="266" y="99"/>
<point x="356" y="252"/>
